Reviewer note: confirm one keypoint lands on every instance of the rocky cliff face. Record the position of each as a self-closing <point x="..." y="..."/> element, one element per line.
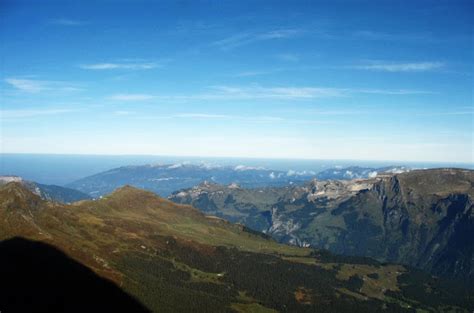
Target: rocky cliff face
<point x="428" y="220"/>
<point x="422" y="218"/>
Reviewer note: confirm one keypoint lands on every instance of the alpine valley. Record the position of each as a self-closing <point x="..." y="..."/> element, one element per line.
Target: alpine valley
<point x="422" y="218"/>
<point x="136" y="252"/>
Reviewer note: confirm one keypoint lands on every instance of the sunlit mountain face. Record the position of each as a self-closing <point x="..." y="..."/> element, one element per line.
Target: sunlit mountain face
<point x="236" y="156"/>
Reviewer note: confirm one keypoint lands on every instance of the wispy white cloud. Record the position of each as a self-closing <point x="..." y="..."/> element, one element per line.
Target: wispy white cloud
<point x="337" y="112"/>
<point x="229" y="117"/>
<point x="238" y="118"/>
<point x="400" y="67"/>
<point x="35" y="86"/>
<point x="373" y="35"/>
<point x="459" y="111"/>
<point x="124" y="112"/>
<point x="258" y="92"/>
<point x="203" y="116"/>
<point x="244" y="93"/>
<point x="288" y="57"/>
<point x="67" y="22"/>
<point x="247" y="38"/>
<point x="390" y="91"/>
<point x="122" y="66"/>
<point x="23" y="113"/>
<point x="283" y="93"/>
<point x="295" y="93"/>
<point x="26" y="85"/>
<point x="131" y="97"/>
<point x="253" y="73"/>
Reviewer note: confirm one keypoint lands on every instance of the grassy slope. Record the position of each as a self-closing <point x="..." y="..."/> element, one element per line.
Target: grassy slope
<point x="173" y="258"/>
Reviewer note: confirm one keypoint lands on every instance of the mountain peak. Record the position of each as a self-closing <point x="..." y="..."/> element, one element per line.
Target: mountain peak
<point x="440" y="181"/>
<point x="15" y="195"/>
<point x="129" y="193"/>
<point x="5" y="179"/>
<point x="130" y="198"/>
<point x="18" y="189"/>
<point x="126" y="188"/>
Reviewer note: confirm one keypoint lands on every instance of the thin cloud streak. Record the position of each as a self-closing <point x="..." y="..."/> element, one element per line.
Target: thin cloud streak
<point x="230" y="93"/>
<point x="67" y="22"/>
<point x="26" y="85"/>
<point x="203" y="115"/>
<point x="254" y="73"/>
<point x="247" y="38"/>
<point x="276" y="92"/>
<point x="23" y="113"/>
<point x="229" y="117"/>
<point x="383" y="36"/>
<point x="400" y="67"/>
<point x="131" y="97"/>
<point x="121" y="66"/>
<point x="239" y="118"/>
<point x="124" y="112"/>
<point x="36" y="86"/>
<point x="467" y="112"/>
<point x="400" y="92"/>
<point x="288" y="57"/>
<point x="294" y="93"/>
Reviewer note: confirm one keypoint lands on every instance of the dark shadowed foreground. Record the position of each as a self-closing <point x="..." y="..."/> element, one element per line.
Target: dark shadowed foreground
<point x="36" y="277"/>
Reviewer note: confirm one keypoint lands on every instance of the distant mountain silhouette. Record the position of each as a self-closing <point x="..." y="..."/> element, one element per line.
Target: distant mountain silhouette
<point x="165" y="179"/>
<point x="36" y="277"/>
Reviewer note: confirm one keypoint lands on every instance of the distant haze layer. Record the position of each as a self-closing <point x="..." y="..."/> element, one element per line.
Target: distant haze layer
<point x="63" y="169"/>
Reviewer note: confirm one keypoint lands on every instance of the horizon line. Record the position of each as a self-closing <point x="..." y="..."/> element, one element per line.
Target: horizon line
<point x="235" y="157"/>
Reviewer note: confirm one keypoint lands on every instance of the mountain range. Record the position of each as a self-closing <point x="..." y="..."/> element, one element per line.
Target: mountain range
<point x="423" y="218"/>
<point x="358" y="172"/>
<point x="165" y="179"/>
<point x="168" y="257"/>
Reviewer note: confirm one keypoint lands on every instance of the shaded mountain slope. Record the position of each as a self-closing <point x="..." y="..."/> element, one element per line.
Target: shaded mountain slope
<point x="423" y="218"/>
<point x="37" y="277"/>
<point x="173" y="258"/>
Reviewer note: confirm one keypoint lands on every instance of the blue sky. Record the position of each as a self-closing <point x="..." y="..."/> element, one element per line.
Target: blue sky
<point x="380" y="80"/>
